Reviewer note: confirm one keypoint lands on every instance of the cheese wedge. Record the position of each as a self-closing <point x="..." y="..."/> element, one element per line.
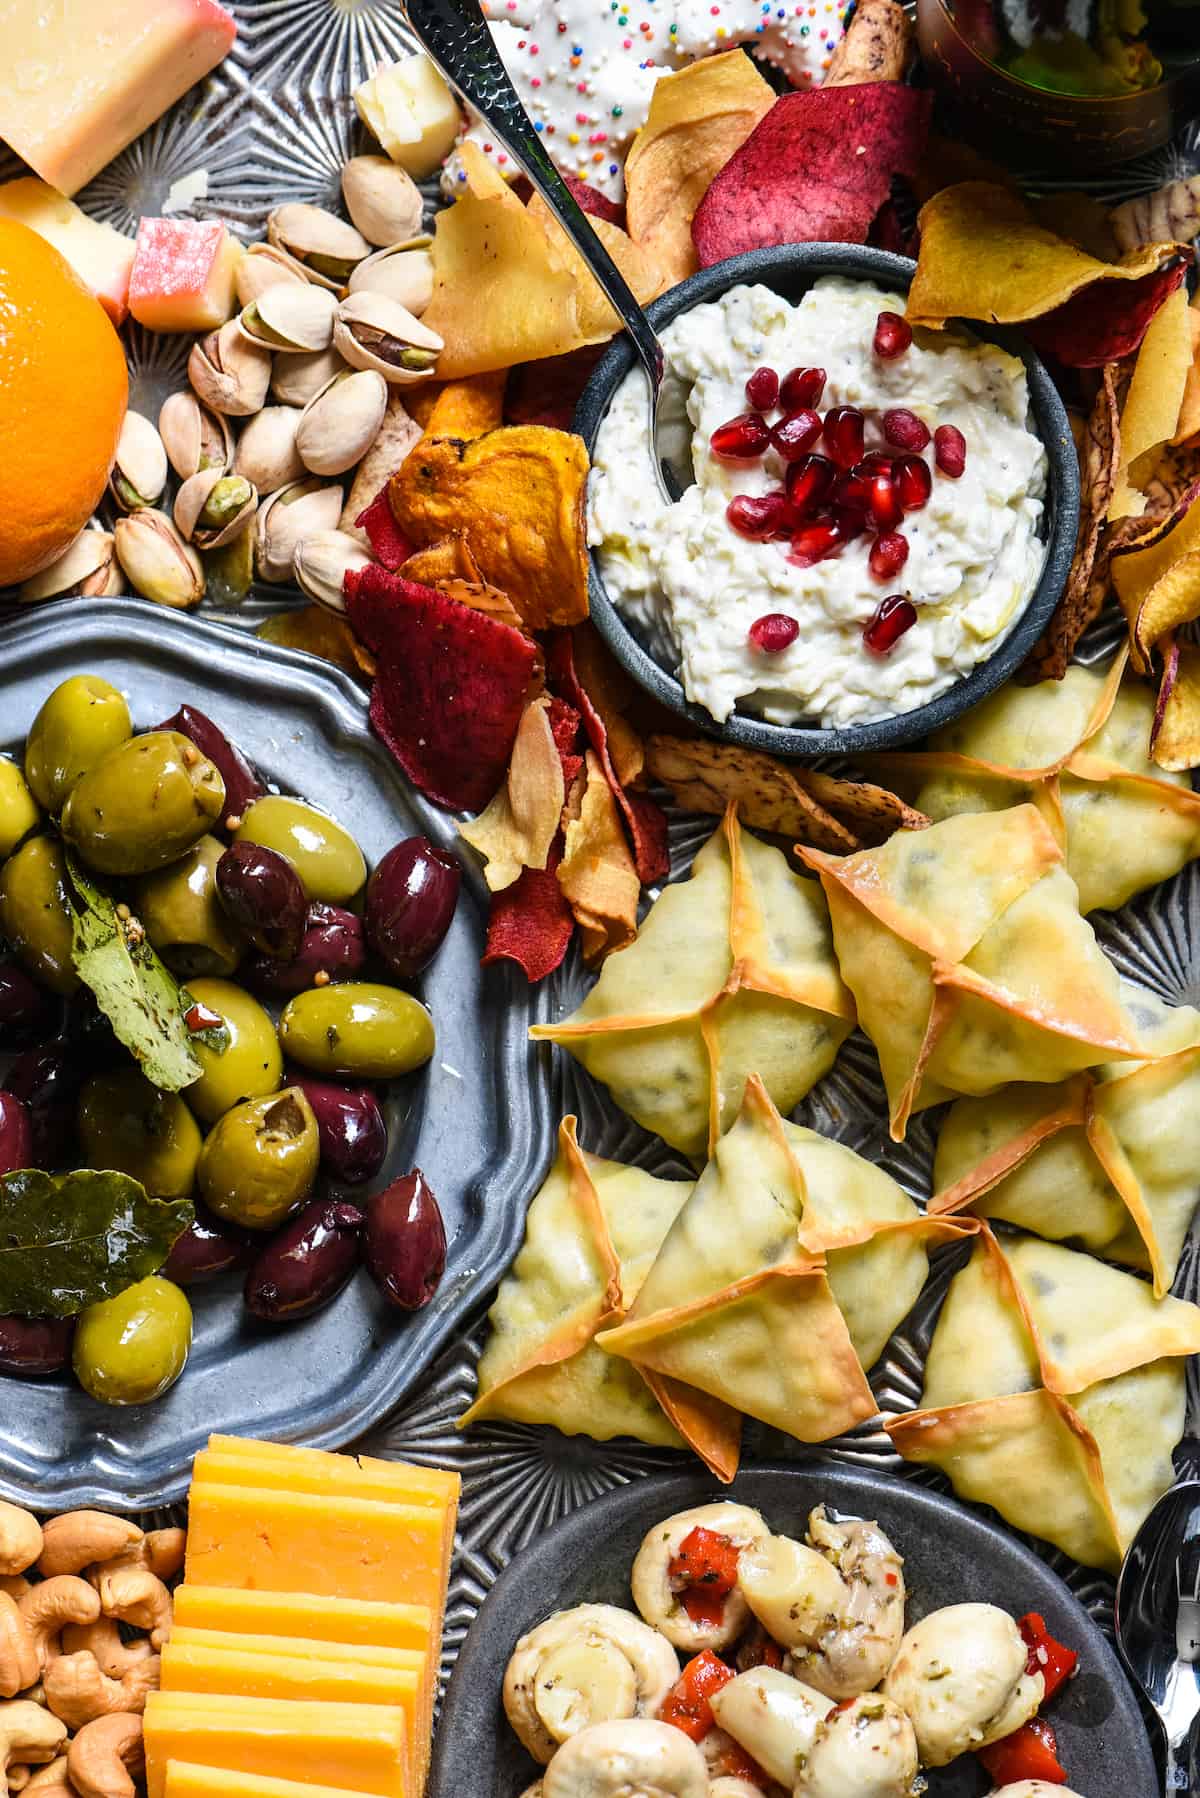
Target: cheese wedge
<point x="354" y="1747"/>
<point x="185" y="1780"/>
<point x="307" y="1616"/>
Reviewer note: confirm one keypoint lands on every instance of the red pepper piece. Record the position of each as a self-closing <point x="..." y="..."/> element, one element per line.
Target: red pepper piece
<point x="1053" y="1660"/>
<point x="703" y="1570"/>
<point x="1030" y="1752"/>
<point x="686" y="1706"/>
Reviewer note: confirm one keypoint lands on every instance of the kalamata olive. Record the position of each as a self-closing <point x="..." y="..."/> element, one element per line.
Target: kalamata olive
<point x="48" y="1081"/>
<point x="25" y="1007"/>
<point x="306" y="1263"/>
<point x="404" y="1245"/>
<point x="332" y="944"/>
<point x="16" y="1134"/>
<point x="207" y="1247"/>
<point x="242" y="785"/>
<point x="89" y="1036"/>
<point x="411" y="898"/>
<point x="350" y="1125"/>
<point x="32" y="1347"/>
<point x="262" y="893"/>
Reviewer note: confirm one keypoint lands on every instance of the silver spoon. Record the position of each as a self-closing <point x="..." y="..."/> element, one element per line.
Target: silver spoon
<point x="455" y="37"/>
<point x="1158" y="1620"/>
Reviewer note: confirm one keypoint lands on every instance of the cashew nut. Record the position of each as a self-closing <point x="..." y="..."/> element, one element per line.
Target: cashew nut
<point x="104" y="1639"/>
<point x="77" y="1539"/>
<point x="78" y="1692"/>
<point x="55" y="1602"/>
<point x="20" y="1538"/>
<point x="19" y="1664"/>
<point x="160" y="1552"/>
<point x="28" y="1735"/>
<point x="14" y="1585"/>
<point x="104" y="1755"/>
<point x="19" y="1778"/>
<point x="588" y="1665"/>
<point x="650" y="1579"/>
<point x="139" y="1597"/>
<point x="51" y="1779"/>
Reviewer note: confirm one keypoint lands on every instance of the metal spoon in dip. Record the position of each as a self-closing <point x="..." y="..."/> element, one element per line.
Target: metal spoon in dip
<point x="455" y="37"/>
<point x="1158" y="1620"/>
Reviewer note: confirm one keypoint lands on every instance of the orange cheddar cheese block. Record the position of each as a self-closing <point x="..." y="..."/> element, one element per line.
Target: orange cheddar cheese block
<point x="307" y="1615"/>
<point x="399" y="1481"/>
<point x="354" y="1747"/>
<point x="185" y="1780"/>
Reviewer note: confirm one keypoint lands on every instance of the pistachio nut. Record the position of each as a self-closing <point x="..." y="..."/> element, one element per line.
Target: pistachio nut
<point x="263" y="266"/>
<point x="87" y="570"/>
<point x="325" y="246"/>
<point x="338" y="427"/>
<point x="229" y="571"/>
<point x="193" y="436"/>
<point x="296" y="321"/>
<point x="229" y="373"/>
<point x="298" y="379"/>
<point x="213" y="508"/>
<point x="139" y="471"/>
<point x="321" y="564"/>
<point x="159" y="564"/>
<point x="286" y="518"/>
<point x="382" y="198"/>
<point x="404" y="271"/>
<point x="266" y="451"/>
<point x="374" y="331"/>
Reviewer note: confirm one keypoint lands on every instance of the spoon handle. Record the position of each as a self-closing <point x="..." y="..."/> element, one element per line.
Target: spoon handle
<point x="455" y="37"/>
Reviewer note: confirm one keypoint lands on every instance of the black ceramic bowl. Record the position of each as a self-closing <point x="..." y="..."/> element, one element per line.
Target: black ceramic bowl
<point x="791" y="270"/>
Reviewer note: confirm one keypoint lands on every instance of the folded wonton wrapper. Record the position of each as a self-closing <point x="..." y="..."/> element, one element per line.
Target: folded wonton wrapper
<point x="732" y="974"/>
<point x="964" y="948"/>
<point x="1079" y="749"/>
<point x="591" y="1234"/>
<point x="1055" y="1391"/>
<point x="782" y="1277"/>
<point x="1109" y="1160"/>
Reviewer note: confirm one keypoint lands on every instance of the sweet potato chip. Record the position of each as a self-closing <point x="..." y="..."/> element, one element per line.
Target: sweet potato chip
<point x="1175" y="740"/>
<point x="451" y="686"/>
<point x="450" y="567"/>
<point x="697" y="119"/>
<point x="1150" y="414"/>
<point x="319" y="633"/>
<point x="469" y="407"/>
<point x="597" y="872"/>
<point x="531" y="922"/>
<point x="516" y="495"/>
<point x="387" y="541"/>
<point x="521" y="822"/>
<point x="421" y="400"/>
<point x="816" y="169"/>
<point x="877" y="45"/>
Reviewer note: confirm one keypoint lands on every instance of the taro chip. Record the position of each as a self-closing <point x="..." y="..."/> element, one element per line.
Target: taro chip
<point x="817" y="169"/>
<point x="450" y="689"/>
<point x="388" y="543"/>
<point x="450" y="567"/>
<point x="531" y="922"/>
<point x="319" y="633"/>
<point x="877" y="45"/>
<point x="1150" y="414"/>
<point x="597" y="873"/>
<point x="516" y="495"/>
<point x="520" y="824"/>
<point x="1189" y="411"/>
<point x="1157" y="577"/>
<point x="1175" y="741"/>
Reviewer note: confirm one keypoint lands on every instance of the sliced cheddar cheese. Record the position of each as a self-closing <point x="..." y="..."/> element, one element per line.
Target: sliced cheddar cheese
<point x="437" y="1481"/>
<point x="186" y="1780"/>
<point x="389" y="1482"/>
<point x="307" y="1616"/>
<point x="353" y="1747"/>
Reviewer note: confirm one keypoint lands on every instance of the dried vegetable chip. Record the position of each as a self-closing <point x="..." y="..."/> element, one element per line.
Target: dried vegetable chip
<point x="450" y="567"/>
<point x="597" y="872"/>
<point x="531" y="922"/>
<point x="451" y="686"/>
<point x="1157" y="576"/>
<point x="387" y="541"/>
<point x="468" y="408"/>
<point x="565" y="725"/>
<point x="1107" y="321"/>
<point x="319" y="633"/>
<point x="613" y="696"/>
<point x="594" y="203"/>
<point x="1175" y="740"/>
<point x="516" y="494"/>
<point x="876" y="47"/>
<point x="1188" y="424"/>
<point x="1169" y="214"/>
<point x="547" y="393"/>
<point x="1150" y="415"/>
<point x="1055" y="1391"/>
<point x="521" y="822"/>
<point x="697" y="119"/>
<point x="398" y="435"/>
<point x="1080" y="218"/>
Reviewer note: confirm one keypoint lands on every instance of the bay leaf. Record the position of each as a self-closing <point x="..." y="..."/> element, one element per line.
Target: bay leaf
<point x="69" y="1240"/>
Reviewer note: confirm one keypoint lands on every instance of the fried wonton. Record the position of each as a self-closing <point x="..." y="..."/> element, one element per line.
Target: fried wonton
<point x="591" y="1234"/>
<point x="732" y="974"/>
<point x="969" y="961"/>
<point x="1055" y="1391"/>
<point x="1079" y="749"/>
<point x="782" y="1277"/>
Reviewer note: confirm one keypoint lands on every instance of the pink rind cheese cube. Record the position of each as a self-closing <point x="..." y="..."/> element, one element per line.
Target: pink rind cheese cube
<point x="183" y="275"/>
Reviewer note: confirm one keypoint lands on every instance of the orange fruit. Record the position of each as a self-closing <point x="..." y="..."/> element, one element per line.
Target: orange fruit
<point x="63" y="392"/>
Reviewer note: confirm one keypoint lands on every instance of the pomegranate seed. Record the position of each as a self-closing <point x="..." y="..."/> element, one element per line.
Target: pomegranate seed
<point x="851" y="524"/>
<point x="914" y="483"/>
<point x="893" y="616"/>
<point x="762" y="389"/>
<point x="853" y="492"/>
<point x="893" y="335"/>
<point x="756" y="517"/>
<point x="741" y="439"/>
<point x="875" y="462"/>
<point x="883" y="503"/>
<point x="773" y="632"/>
<point x="844" y="432"/>
<point x="814" y="542"/>
<point x="950" y="450"/>
<point x="801" y="387"/>
<point x="809" y="483"/>
<point x="889" y="553"/>
<point x="904" y="430"/>
<point x="795" y="434"/>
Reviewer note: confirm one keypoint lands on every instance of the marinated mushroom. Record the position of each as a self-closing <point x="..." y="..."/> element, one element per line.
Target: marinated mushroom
<point x="708" y="1609"/>
<point x="960" y="1676"/>
<point x="593" y="1664"/>
<point x="866" y="1748"/>
<point x="1033" y="1788"/>
<point x="616" y="1760"/>
<point x="773" y="1717"/>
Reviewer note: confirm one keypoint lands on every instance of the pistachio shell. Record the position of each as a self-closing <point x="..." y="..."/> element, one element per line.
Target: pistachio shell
<point x="193" y="436"/>
<point x="160" y="565"/>
<point x="139" y="471"/>
<point x="229" y="373"/>
<point x="373" y="331"/>
<point x="291" y="320"/>
<point x="266" y="451"/>
<point x="87" y="568"/>
<point x="321" y="564"/>
<point x="212" y="508"/>
<point x="325" y="246"/>
<point x="298" y="379"/>
<point x="382" y="198"/>
<point x="264" y="266"/>
<point x="404" y="271"/>
<point x="339" y="426"/>
<point x="286" y="518"/>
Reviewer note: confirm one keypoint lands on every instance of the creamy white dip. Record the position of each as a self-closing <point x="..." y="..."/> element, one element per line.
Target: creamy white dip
<point x="693" y="586"/>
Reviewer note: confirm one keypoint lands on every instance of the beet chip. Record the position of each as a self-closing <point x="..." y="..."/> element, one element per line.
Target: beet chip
<point x="817" y="169"/>
<point x="531" y="922"/>
<point x="388" y="543"/>
<point x="1105" y="321"/>
<point x="450" y="688"/>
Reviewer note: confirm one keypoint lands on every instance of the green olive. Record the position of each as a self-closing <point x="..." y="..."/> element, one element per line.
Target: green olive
<point x="35" y="912"/>
<point x="77" y="726"/>
<point x="144" y="805"/>
<point x="18" y="807"/>
<point x="259" y="1163"/>
<point x="183" y="916"/>
<point x="359" y="1029"/>
<point x="131" y="1348"/>
<point x="326" y="857"/>
<point x="128" y="1124"/>
<point x="251" y="1066"/>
